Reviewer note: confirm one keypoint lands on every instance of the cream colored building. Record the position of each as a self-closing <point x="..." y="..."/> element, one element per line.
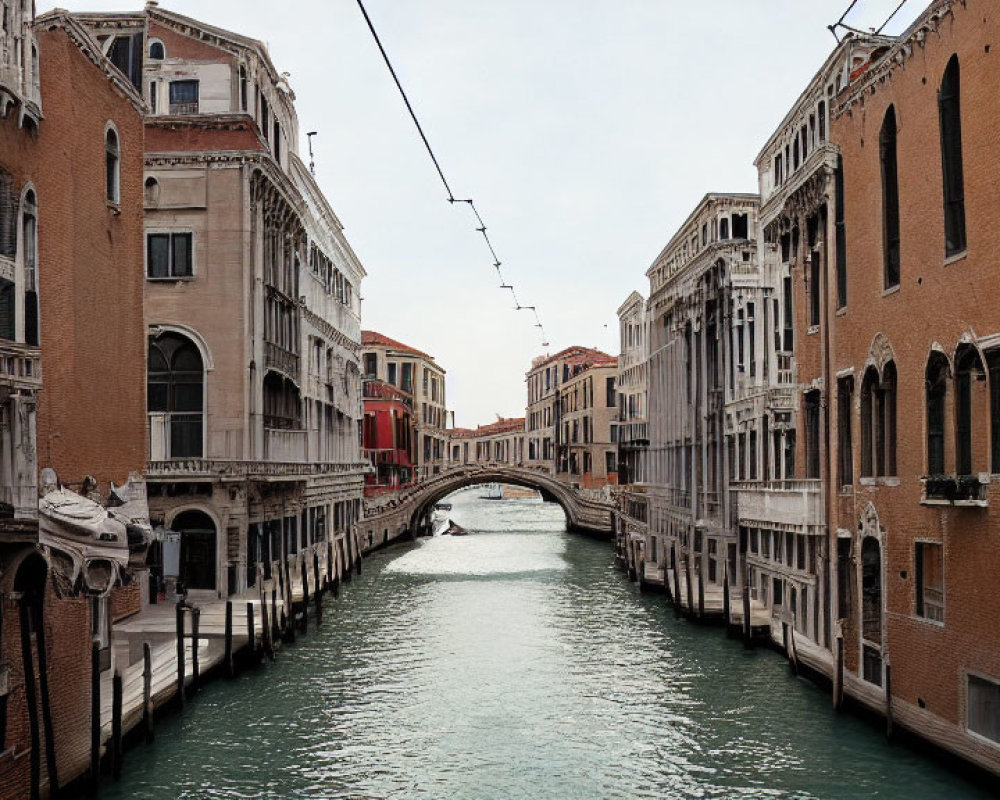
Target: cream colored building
<point x="417" y="374"/>
<point x="543" y="414"/>
<point x="252" y="303"/>
<point x="497" y="443"/>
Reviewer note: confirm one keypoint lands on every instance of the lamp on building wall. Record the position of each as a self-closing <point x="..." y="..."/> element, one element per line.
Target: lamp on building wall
<point x="312" y="163"/>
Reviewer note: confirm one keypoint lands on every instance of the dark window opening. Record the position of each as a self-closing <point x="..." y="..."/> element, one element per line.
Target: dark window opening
<point x="126" y="54"/>
<point x="812" y="429"/>
<point x="169" y="255"/>
<point x="184" y="97"/>
<point x="937" y="387"/>
<point x="724" y="228"/>
<point x="845" y="448"/>
<point x="890" y="200"/>
<point x="112" y="159"/>
<point x="741" y="226"/>
<point x="929" y="579"/>
<point x="841" y="234"/>
<point x="950" y="116"/>
<point x="156" y="51"/>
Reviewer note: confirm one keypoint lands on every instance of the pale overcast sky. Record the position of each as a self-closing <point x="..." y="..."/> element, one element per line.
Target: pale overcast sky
<point x="585" y="130"/>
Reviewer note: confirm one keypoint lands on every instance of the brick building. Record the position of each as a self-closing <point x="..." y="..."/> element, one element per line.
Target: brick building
<point x="909" y="367"/>
<point x="387" y="437"/>
<point x="254" y="405"/>
<point x="70" y="283"/>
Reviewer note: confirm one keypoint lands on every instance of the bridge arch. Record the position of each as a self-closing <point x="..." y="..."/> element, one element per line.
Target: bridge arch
<point x="584" y="512"/>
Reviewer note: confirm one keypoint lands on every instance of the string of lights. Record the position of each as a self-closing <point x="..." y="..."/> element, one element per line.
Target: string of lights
<point x="481" y="228"/>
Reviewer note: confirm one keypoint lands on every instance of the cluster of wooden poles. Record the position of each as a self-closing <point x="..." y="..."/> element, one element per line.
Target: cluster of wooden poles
<point x="275" y="625"/>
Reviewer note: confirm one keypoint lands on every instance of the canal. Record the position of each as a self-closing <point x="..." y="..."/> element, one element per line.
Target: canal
<point x="516" y="662"/>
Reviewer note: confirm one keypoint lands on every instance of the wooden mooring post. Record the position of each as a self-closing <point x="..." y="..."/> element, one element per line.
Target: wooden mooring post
<point x="304" y="573"/>
<point x="747" y="631"/>
<point x="690" y="590"/>
<point x="95" y="717"/>
<point x="677" y="581"/>
<point x="180" y="655"/>
<point x="701" y="590"/>
<point x="251" y="634"/>
<point x="228" y="658"/>
<point x="726" y="616"/>
<point x="147" y="692"/>
<point x="838" y="684"/>
<point x="117" y="752"/>
<point x="195" y="667"/>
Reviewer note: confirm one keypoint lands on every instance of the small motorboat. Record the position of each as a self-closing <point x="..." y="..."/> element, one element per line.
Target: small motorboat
<point x="454" y="529"/>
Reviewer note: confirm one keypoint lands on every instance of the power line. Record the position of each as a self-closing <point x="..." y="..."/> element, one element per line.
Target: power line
<point x="451" y="196"/>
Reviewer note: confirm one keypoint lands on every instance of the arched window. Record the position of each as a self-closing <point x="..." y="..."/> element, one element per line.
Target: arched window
<point x="937" y="390"/>
<point x="950" y="116"/>
<point x="878" y="422"/>
<point x="29" y="230"/>
<point x="971" y="400"/>
<point x="890" y="200"/>
<point x="889" y="417"/>
<point x="112" y="165"/>
<point x="243" y="89"/>
<point x="175" y="392"/>
<point x="869" y="387"/>
<point x="157" y="52"/>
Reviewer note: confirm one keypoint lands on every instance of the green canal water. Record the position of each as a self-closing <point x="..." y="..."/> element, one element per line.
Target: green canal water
<point x="517" y="662"/>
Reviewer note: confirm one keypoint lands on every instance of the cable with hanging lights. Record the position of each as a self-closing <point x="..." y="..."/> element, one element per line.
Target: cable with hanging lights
<point x="451" y="196"/>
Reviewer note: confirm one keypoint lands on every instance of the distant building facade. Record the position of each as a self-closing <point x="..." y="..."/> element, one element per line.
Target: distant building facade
<point x="545" y="410"/>
<point x="497" y="443"/>
<point x="418" y="376"/>
<point x="705" y="341"/>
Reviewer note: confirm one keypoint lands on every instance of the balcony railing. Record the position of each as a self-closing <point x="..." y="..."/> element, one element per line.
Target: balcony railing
<point x="795" y="502"/>
<point x="378" y="390"/>
<point x="284" y="445"/>
<point x="962" y="490"/>
<point x="175" y="436"/>
<point x="184" y="108"/>
<point x="281" y="359"/>
<point x="20" y="366"/>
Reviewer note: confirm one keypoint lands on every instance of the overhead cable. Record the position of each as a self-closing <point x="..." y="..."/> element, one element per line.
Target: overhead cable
<point x="481" y="228"/>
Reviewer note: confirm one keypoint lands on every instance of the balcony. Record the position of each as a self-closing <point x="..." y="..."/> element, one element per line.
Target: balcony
<point x="965" y="491"/>
<point x="20" y="367"/>
<point x="281" y="444"/>
<point x="795" y="503"/>
<point x="282" y="360"/>
<point x="378" y="390"/>
<point x="175" y="436"/>
<point x="235" y="470"/>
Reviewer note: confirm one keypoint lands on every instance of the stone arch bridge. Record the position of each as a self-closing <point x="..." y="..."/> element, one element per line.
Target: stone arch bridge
<point x="409" y="512"/>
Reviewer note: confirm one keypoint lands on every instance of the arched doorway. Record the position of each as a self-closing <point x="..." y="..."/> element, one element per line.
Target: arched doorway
<point x="198" y="549"/>
<point x="175" y="396"/>
<point x="871" y="610"/>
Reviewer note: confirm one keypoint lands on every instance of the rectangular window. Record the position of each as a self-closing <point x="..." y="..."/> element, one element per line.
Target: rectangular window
<point x="814" y="289"/>
<point x="169" y="255"/>
<point x="984" y="707"/>
<point x="184" y="97"/>
<point x="845" y="444"/>
<point x="788" y="342"/>
<point x="390" y="372"/>
<point x="611" y="400"/>
<point x="840" y="227"/>
<point x="929" y="569"/>
<point x="370" y="364"/>
<point x="152" y="97"/>
<point x="949" y="110"/>
<point x="407" y="382"/>
<point x="812" y="434"/>
<point x="993" y="361"/>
